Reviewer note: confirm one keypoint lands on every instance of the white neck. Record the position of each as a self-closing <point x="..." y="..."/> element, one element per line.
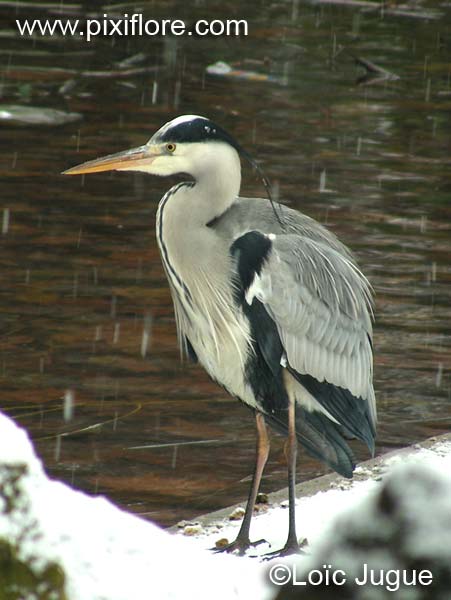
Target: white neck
<point x="217" y="178"/>
<point x="185" y="211"/>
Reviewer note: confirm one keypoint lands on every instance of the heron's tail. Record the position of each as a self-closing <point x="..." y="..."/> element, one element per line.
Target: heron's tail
<point x="322" y="438"/>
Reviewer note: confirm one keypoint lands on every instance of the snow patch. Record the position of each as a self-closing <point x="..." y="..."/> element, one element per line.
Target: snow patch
<point x="105" y="553"/>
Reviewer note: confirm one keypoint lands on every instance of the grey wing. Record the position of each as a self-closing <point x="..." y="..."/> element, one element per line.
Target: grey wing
<point x="321" y="305"/>
<point x="248" y="214"/>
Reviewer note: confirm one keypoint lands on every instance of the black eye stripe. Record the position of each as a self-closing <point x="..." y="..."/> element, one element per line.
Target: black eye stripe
<point x="197" y="130"/>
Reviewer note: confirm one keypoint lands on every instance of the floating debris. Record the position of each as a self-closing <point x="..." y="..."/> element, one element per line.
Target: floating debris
<point x="172" y="444"/>
<point x="385" y="9"/>
<point x="116" y="73"/>
<point x="132" y="60"/>
<point x="374" y="74"/>
<point x="35" y="115"/>
<point x="223" y="69"/>
<point x="67" y="87"/>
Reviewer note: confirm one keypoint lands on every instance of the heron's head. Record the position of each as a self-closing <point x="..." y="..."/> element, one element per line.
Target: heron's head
<point x="188" y="144"/>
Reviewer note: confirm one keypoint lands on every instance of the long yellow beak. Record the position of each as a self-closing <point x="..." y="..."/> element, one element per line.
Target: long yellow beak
<point x="121" y="161"/>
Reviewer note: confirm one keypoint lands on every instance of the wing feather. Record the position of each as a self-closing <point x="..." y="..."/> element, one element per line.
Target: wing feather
<point x="321" y="305"/>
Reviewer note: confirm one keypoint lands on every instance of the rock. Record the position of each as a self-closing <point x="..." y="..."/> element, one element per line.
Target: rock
<point x="237" y="514"/>
<point x="262" y="498"/>
<point x="193" y="529"/>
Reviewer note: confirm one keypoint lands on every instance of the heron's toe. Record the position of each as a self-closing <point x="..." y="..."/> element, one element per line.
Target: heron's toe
<point x="239" y="546"/>
<point x="291" y="547"/>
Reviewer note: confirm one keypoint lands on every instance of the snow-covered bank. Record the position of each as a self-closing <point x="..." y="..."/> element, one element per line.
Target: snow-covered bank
<point x="327" y="497"/>
<point x="386" y="534"/>
<point x="84" y="548"/>
<point x="60" y="544"/>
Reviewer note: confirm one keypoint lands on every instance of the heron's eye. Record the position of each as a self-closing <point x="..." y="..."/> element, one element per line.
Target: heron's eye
<point x="170" y="147"/>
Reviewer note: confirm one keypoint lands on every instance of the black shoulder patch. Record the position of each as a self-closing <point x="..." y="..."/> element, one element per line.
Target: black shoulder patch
<point x="197" y="129"/>
<point x="251" y="250"/>
<point x="263" y="368"/>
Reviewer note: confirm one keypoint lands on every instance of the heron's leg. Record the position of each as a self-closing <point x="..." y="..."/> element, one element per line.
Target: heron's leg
<point x="242" y="541"/>
<point x="292" y="543"/>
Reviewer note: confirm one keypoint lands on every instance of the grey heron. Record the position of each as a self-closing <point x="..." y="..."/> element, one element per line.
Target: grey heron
<point x="268" y="301"/>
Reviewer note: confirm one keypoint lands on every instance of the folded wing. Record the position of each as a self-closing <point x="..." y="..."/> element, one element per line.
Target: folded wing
<point x="320" y="304"/>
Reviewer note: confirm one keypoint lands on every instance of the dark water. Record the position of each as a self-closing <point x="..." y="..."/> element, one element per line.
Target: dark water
<point x="82" y="287"/>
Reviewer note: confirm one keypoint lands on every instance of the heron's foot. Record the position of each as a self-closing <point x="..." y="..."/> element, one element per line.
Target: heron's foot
<point x="239" y="546"/>
<point x="293" y="546"/>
